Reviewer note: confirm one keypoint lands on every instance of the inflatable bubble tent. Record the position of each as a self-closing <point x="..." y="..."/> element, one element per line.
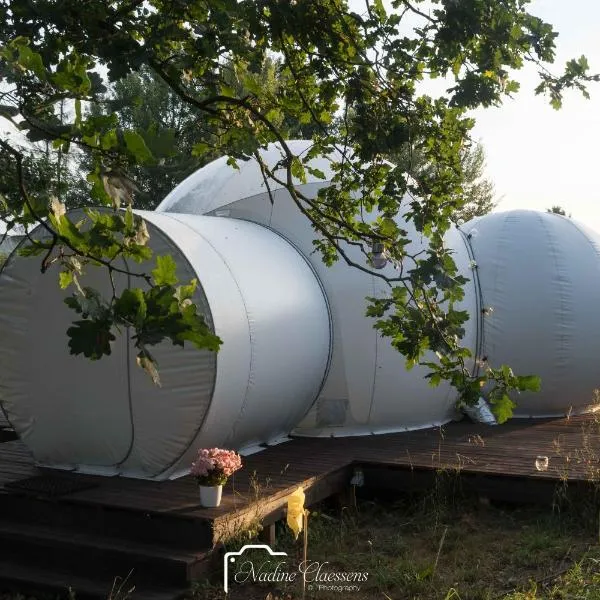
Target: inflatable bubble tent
<point x="299" y="356"/>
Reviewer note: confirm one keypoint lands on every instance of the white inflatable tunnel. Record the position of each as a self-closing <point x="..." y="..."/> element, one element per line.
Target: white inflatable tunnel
<point x="368" y="390"/>
<point x="261" y="297"/>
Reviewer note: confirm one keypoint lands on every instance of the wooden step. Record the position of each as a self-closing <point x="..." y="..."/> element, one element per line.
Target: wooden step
<point x="172" y="529"/>
<point x="35" y="578"/>
<point x="94" y="555"/>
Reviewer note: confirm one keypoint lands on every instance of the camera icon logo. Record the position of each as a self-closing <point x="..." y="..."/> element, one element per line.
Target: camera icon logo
<point x="231" y="558"/>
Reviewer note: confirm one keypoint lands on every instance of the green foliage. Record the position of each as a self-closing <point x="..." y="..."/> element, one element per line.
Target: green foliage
<point x="164" y="274"/>
<point x="91" y="338"/>
<point x="442" y="543"/>
<point x="348" y="80"/>
<point x="168" y="138"/>
<point x="137" y="147"/>
<point x="476" y="192"/>
<point x="557" y="210"/>
<point x="160" y="131"/>
<point x="163" y="311"/>
<point x="46" y="178"/>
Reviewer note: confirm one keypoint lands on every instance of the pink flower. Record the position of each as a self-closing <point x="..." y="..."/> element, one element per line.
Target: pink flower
<point x="214" y="466"/>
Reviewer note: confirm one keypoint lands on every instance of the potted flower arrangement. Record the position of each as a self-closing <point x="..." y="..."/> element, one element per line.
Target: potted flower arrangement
<point x="212" y="468"/>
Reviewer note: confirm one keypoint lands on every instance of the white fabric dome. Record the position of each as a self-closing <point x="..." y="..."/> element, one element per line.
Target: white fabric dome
<point x="540" y="274"/>
<point x="218" y="184"/>
<point x="367" y="390"/>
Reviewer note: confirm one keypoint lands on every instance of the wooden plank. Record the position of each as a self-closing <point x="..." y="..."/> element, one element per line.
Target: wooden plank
<point x="498" y="487"/>
<point x="39" y="579"/>
<point x="470" y="448"/>
<point x="497" y="462"/>
<point x="272" y="509"/>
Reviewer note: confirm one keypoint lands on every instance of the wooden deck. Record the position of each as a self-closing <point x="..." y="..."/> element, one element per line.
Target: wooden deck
<point x="84" y="538"/>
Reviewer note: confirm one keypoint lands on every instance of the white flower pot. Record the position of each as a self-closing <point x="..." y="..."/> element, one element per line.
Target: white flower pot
<point x="210" y="495"/>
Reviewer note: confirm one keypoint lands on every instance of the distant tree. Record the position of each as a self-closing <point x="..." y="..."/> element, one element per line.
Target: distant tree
<point x="178" y="135"/>
<point x="49" y="173"/>
<point x="169" y="127"/>
<point x="558" y="210"/>
<point x="477" y="193"/>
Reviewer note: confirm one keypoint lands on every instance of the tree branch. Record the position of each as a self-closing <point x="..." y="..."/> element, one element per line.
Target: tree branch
<point x="18" y="156"/>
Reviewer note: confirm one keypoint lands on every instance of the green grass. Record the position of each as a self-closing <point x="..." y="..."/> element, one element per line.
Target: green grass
<point x="438" y="546"/>
<point x="444" y="547"/>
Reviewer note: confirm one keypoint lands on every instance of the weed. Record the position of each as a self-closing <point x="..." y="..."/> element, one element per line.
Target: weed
<point x="237" y="529"/>
<point x="121" y="588"/>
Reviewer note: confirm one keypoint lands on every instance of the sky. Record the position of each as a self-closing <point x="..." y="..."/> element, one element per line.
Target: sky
<point x="538" y="157"/>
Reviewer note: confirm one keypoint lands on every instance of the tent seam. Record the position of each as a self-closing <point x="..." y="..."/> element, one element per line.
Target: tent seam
<point x="172" y="463"/>
<point x="129" y="394"/>
<point x="479" y="324"/>
<point x="325" y="300"/>
<point x="199" y="428"/>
